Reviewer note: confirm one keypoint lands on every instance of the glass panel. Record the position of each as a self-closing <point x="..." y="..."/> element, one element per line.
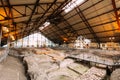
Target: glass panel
<point x="34" y="40"/>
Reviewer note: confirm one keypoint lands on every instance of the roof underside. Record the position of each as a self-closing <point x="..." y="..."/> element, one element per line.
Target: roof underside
<point x="97" y="20"/>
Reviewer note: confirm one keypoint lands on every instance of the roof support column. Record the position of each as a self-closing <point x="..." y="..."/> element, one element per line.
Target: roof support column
<point x="0" y="34"/>
<point x="116" y="13"/>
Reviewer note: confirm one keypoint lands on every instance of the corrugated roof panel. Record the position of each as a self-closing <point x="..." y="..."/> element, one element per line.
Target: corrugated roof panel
<point x="98" y="28"/>
<point x="21" y="19"/>
<point x="46" y="1"/>
<point x="70" y="13"/>
<point x="108" y="17"/>
<point x="74" y="19"/>
<point x="79" y="26"/>
<point x="86" y="31"/>
<point x="80" y="32"/>
<point x="20" y="9"/>
<point x="88" y="12"/>
<point x="105" y="34"/>
<point x="16" y="14"/>
<point x="47" y="14"/>
<point x="39" y="10"/>
<point x="61" y="25"/>
<point x="87" y="4"/>
<point x="2" y="12"/>
<point x="36" y="16"/>
<point x="22" y="1"/>
<point x="90" y="36"/>
<point x="109" y="27"/>
<point x="102" y="5"/>
<point x="115" y="25"/>
<point x="117" y="3"/>
<point x="94" y="21"/>
<point x="104" y="9"/>
<point x="89" y="15"/>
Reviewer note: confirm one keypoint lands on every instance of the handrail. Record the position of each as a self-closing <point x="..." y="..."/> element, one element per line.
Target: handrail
<point x="96" y="59"/>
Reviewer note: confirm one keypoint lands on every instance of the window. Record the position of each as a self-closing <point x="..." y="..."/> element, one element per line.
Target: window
<point x="44" y="25"/>
<point x="71" y="5"/>
<point x="34" y="40"/>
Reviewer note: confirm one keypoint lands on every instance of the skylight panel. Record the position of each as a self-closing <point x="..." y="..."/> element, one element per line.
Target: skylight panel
<point x="71" y="5"/>
<point x="44" y="25"/>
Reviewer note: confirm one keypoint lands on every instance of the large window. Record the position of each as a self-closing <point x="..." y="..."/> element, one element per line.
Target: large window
<point x="71" y="5"/>
<point x="34" y="40"/>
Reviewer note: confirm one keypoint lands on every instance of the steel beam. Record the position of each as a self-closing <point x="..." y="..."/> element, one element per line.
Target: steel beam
<point x="17" y="11"/>
<point x="31" y="4"/>
<point x="91" y="26"/>
<point x="85" y="8"/>
<point x="11" y="16"/>
<point x="3" y="6"/>
<point x="50" y="15"/>
<point x="22" y="16"/>
<point x="95" y="17"/>
<point x="0" y="34"/>
<point x="2" y="15"/>
<point x="37" y="20"/>
<point x="33" y="11"/>
<point x="80" y="13"/>
<point x="59" y="29"/>
<point x="78" y="6"/>
<point x="39" y="24"/>
<point x="101" y="31"/>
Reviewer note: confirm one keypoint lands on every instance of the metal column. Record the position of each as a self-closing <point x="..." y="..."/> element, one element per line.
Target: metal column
<point x="0" y="34"/>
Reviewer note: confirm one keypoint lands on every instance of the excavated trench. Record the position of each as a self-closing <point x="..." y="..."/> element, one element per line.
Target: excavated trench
<point x="26" y="68"/>
<point x="26" y="65"/>
<point x="12" y="68"/>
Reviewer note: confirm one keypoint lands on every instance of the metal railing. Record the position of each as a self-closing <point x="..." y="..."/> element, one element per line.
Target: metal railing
<point x="96" y="59"/>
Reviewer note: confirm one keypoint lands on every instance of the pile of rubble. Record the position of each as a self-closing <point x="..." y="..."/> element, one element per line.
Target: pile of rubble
<point x="93" y="74"/>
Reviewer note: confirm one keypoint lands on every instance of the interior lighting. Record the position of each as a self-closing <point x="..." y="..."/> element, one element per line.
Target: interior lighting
<point x="12" y="37"/>
<point x="71" y="5"/>
<point x="65" y="39"/>
<point x="111" y="38"/>
<point x="5" y="29"/>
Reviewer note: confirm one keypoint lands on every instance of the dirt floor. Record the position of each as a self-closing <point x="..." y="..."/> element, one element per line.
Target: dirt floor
<point x="12" y="69"/>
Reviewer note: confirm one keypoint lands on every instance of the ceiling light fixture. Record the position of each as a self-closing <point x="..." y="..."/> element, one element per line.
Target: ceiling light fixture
<point x="71" y="5"/>
<point x="12" y="37"/>
<point x="5" y="29"/>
